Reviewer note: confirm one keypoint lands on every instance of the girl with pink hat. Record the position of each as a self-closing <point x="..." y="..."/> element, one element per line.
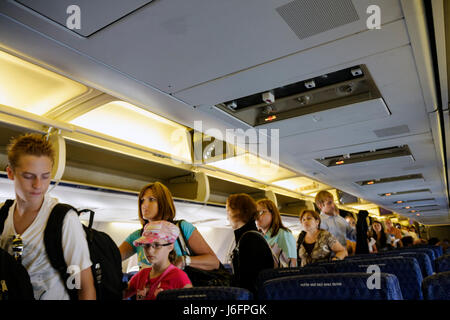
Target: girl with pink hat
<point x="157" y="240"/>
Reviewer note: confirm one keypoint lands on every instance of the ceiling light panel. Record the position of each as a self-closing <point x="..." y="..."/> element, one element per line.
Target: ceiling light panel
<point x="298" y="184"/>
<point x="254" y="167"/>
<point x="44" y="89"/>
<point x="127" y="122"/>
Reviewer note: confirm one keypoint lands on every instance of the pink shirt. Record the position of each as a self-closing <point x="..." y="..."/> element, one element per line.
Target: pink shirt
<point x="142" y="285"/>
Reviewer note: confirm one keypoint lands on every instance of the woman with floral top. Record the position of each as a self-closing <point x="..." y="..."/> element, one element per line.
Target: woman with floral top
<point x="318" y="245"/>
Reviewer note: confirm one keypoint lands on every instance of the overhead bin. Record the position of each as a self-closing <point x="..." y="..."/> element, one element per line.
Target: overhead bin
<point x="292" y="206"/>
<point x="220" y="189"/>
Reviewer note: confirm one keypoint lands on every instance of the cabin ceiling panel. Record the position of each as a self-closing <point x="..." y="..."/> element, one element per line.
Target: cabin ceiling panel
<point x="312" y="62"/>
<point x="96" y="15"/>
<point x="172" y="45"/>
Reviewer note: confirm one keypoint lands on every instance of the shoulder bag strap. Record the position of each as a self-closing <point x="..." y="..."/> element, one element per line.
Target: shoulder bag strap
<point x="53" y="243"/>
<point x="155" y="285"/>
<point x="182" y="240"/>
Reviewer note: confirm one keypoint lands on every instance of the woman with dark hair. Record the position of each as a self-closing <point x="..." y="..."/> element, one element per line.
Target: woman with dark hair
<point x="252" y="253"/>
<point x="379" y="236"/>
<point x="277" y="235"/>
<point x="318" y="244"/>
<point x="155" y="202"/>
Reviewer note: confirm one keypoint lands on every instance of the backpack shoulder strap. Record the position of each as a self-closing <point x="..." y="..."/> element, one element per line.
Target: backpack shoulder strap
<point x="4" y="213"/>
<point x="181" y="238"/>
<point x="53" y="242"/>
<point x="300" y="240"/>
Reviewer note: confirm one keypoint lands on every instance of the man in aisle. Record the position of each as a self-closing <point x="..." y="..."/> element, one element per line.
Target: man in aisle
<point x="30" y="163"/>
<point x="331" y="220"/>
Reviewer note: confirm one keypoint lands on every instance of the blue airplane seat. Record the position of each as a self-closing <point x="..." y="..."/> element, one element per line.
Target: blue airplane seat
<point x="442" y="264"/>
<point x="331" y="286"/>
<point x="406" y="269"/>
<point x="269" y="274"/>
<point x="206" y="293"/>
<point x="426" y="266"/>
<point x="437" y="286"/>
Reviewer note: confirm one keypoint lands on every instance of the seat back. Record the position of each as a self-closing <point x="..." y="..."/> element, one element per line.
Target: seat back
<point x="406" y="269"/>
<point x="437" y="286"/>
<point x="426" y="266"/>
<point x="269" y="274"/>
<point x="422" y="258"/>
<point x="127" y="276"/>
<point x="206" y="293"/>
<point x="436" y="249"/>
<point x="335" y="286"/>
<point x="442" y="264"/>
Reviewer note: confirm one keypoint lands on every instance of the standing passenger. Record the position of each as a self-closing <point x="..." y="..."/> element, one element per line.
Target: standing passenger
<point x="378" y="234"/>
<point x="30" y="163"/>
<point x="318" y="244"/>
<point x="331" y="220"/>
<point x="252" y="253"/>
<point x="155" y="203"/>
<point x="157" y="240"/>
<point x="277" y="235"/>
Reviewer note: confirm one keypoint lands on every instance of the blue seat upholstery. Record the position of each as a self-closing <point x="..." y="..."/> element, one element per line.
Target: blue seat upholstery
<point x="422" y="258"/>
<point x="442" y="264"/>
<point x="428" y="251"/>
<point x="127" y="276"/>
<point x="206" y="293"/>
<point x="426" y="266"/>
<point x="436" y="249"/>
<point x="337" y="286"/>
<point x="437" y="287"/>
<point x="406" y="269"/>
<point x="269" y="274"/>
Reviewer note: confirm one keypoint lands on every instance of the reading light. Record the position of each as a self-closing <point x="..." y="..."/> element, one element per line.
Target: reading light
<point x="340" y="162"/>
<point x="270" y="118"/>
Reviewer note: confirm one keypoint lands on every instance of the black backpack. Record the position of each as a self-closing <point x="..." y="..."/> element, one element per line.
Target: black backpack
<point x="15" y="282"/>
<point x="219" y="277"/>
<point x="242" y="276"/>
<point x="104" y="253"/>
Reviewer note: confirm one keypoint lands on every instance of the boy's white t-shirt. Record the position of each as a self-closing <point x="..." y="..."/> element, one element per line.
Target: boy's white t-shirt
<point x="46" y="281"/>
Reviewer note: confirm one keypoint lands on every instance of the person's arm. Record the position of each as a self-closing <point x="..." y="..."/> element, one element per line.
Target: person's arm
<point x="289" y="245"/>
<point x="87" y="289"/>
<point x="126" y="250"/>
<point x="339" y="250"/>
<point x="203" y="257"/>
<point x="76" y="253"/>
